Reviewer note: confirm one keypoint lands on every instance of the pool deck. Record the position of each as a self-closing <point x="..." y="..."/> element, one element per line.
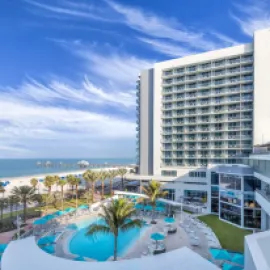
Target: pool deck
<point x="140" y="248"/>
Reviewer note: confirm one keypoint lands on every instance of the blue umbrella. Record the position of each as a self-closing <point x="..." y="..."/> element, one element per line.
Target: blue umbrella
<point x="49" y="249"/>
<point x="59" y="213"/>
<point x="40" y="221"/>
<point x="3" y="247"/>
<point x="157" y="236"/>
<point x="227" y="266"/>
<point x="148" y="208"/>
<point x="169" y="220"/>
<point x="238" y="258"/>
<point x="160" y="209"/>
<point x="70" y="209"/>
<point x="83" y="206"/>
<point x="41" y="180"/>
<point x="220" y="254"/>
<point x="63" y="177"/>
<point x="46" y="240"/>
<point x="80" y="258"/>
<point x="139" y="206"/>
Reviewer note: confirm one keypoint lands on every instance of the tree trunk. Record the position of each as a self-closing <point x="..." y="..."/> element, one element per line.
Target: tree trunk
<point x="115" y="248"/>
<point x="93" y="191"/>
<point x="123" y="182"/>
<point x="2" y="210"/>
<point x="76" y="187"/>
<point x="24" y="211"/>
<point x="102" y="190"/>
<point x="11" y="208"/>
<point x="62" y="194"/>
<point x="111" y="186"/>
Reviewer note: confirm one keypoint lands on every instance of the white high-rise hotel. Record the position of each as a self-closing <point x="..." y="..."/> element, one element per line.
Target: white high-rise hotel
<point x="206" y="108"/>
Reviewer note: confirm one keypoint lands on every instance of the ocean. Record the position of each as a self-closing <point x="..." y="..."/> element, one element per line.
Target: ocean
<point x="27" y="167"/>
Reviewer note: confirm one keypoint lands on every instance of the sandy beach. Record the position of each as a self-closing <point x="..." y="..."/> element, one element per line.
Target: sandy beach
<point x="25" y="180"/>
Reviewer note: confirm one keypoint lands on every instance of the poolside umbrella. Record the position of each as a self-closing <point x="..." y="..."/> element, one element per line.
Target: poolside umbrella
<point x="49" y="249"/>
<point x="83" y="206"/>
<point x="148" y="208"/>
<point x="40" y="221"/>
<point x="227" y="266"/>
<point x="47" y="240"/>
<point x="157" y="237"/>
<point x="3" y="247"/>
<point x="220" y="254"/>
<point x="139" y="206"/>
<point x="238" y="258"/>
<point x="59" y="213"/>
<point x="169" y="220"/>
<point x="160" y="209"/>
<point x="41" y="180"/>
<point x="80" y="258"/>
<point x="70" y="209"/>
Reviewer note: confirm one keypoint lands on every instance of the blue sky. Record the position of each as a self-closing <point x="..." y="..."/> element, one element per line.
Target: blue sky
<point x="68" y="67"/>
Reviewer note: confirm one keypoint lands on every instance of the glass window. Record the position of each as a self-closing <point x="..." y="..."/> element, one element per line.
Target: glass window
<point x="195" y="195"/>
<point x="231" y="197"/>
<point x="252" y="218"/>
<point x="168" y="173"/>
<point x="214" y="205"/>
<point x="230" y="213"/>
<point x="170" y="195"/>
<point x="214" y="178"/>
<point x="214" y="191"/>
<point x="251" y="183"/>
<point x="229" y="181"/>
<point x="250" y="202"/>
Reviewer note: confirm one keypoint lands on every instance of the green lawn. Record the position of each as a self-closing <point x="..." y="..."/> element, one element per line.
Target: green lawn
<point x="230" y="237"/>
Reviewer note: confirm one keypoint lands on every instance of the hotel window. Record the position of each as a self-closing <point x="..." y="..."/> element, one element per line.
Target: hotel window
<point x="168" y="173"/>
<point x="231" y="197"/>
<point x="214" y="205"/>
<point x="230" y="213"/>
<point x="197" y="174"/>
<point x="251" y="183"/>
<point x="228" y="181"/>
<point x="214" y="191"/>
<point x="170" y="195"/>
<point x="252" y="218"/>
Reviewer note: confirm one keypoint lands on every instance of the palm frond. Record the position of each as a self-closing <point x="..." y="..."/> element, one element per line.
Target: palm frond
<point x="136" y="223"/>
<point x="96" y="228"/>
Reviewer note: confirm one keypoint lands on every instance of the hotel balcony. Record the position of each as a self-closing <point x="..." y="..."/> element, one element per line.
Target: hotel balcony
<point x="263" y="199"/>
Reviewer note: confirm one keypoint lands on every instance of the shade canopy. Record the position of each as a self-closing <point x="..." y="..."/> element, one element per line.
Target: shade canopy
<point x="59" y="213"/>
<point x="3" y="247"/>
<point x="238" y="258"/>
<point x="148" y="208"/>
<point x="40" y="221"/>
<point x="70" y="209"/>
<point x="160" y="209"/>
<point x="169" y="220"/>
<point x="139" y="206"/>
<point x="220" y="254"/>
<point x="83" y="206"/>
<point x="157" y="236"/>
<point x="227" y="266"/>
<point x="47" y="240"/>
<point x="49" y="249"/>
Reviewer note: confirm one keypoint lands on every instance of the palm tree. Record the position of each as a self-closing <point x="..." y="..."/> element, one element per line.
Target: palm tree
<point x="153" y="191"/>
<point x="2" y="190"/>
<point x="61" y="183"/>
<point x="12" y="201"/>
<point x="56" y="180"/>
<point x="34" y="182"/>
<point x="3" y="205"/>
<point x="117" y="218"/>
<point x="48" y="183"/>
<point x="74" y="181"/>
<point x="70" y="178"/>
<point x="25" y="195"/>
<point x="91" y="177"/>
<point x="103" y="176"/>
<point x="122" y="172"/>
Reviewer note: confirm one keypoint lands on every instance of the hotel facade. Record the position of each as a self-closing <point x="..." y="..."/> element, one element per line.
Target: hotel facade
<point x="198" y="118"/>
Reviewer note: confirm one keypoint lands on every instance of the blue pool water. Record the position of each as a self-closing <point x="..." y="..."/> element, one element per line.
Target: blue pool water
<point x="101" y="246"/>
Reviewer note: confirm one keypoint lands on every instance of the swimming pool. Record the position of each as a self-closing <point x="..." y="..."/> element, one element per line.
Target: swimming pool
<point x="100" y="246"/>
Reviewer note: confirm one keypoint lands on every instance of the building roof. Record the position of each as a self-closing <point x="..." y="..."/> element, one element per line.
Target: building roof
<point x="233" y="169"/>
<point x="25" y="254"/>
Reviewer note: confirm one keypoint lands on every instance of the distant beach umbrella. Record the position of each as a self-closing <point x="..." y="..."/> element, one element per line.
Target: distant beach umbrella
<point x="169" y="220"/>
<point x="148" y="208"/>
<point x="41" y="180"/>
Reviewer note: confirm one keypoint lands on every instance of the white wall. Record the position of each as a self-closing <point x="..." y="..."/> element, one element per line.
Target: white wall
<point x="261" y="133"/>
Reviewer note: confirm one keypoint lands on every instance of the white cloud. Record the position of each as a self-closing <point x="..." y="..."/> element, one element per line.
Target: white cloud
<point x="252" y="16"/>
<point x="155" y="26"/>
<point x="167" y="48"/>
